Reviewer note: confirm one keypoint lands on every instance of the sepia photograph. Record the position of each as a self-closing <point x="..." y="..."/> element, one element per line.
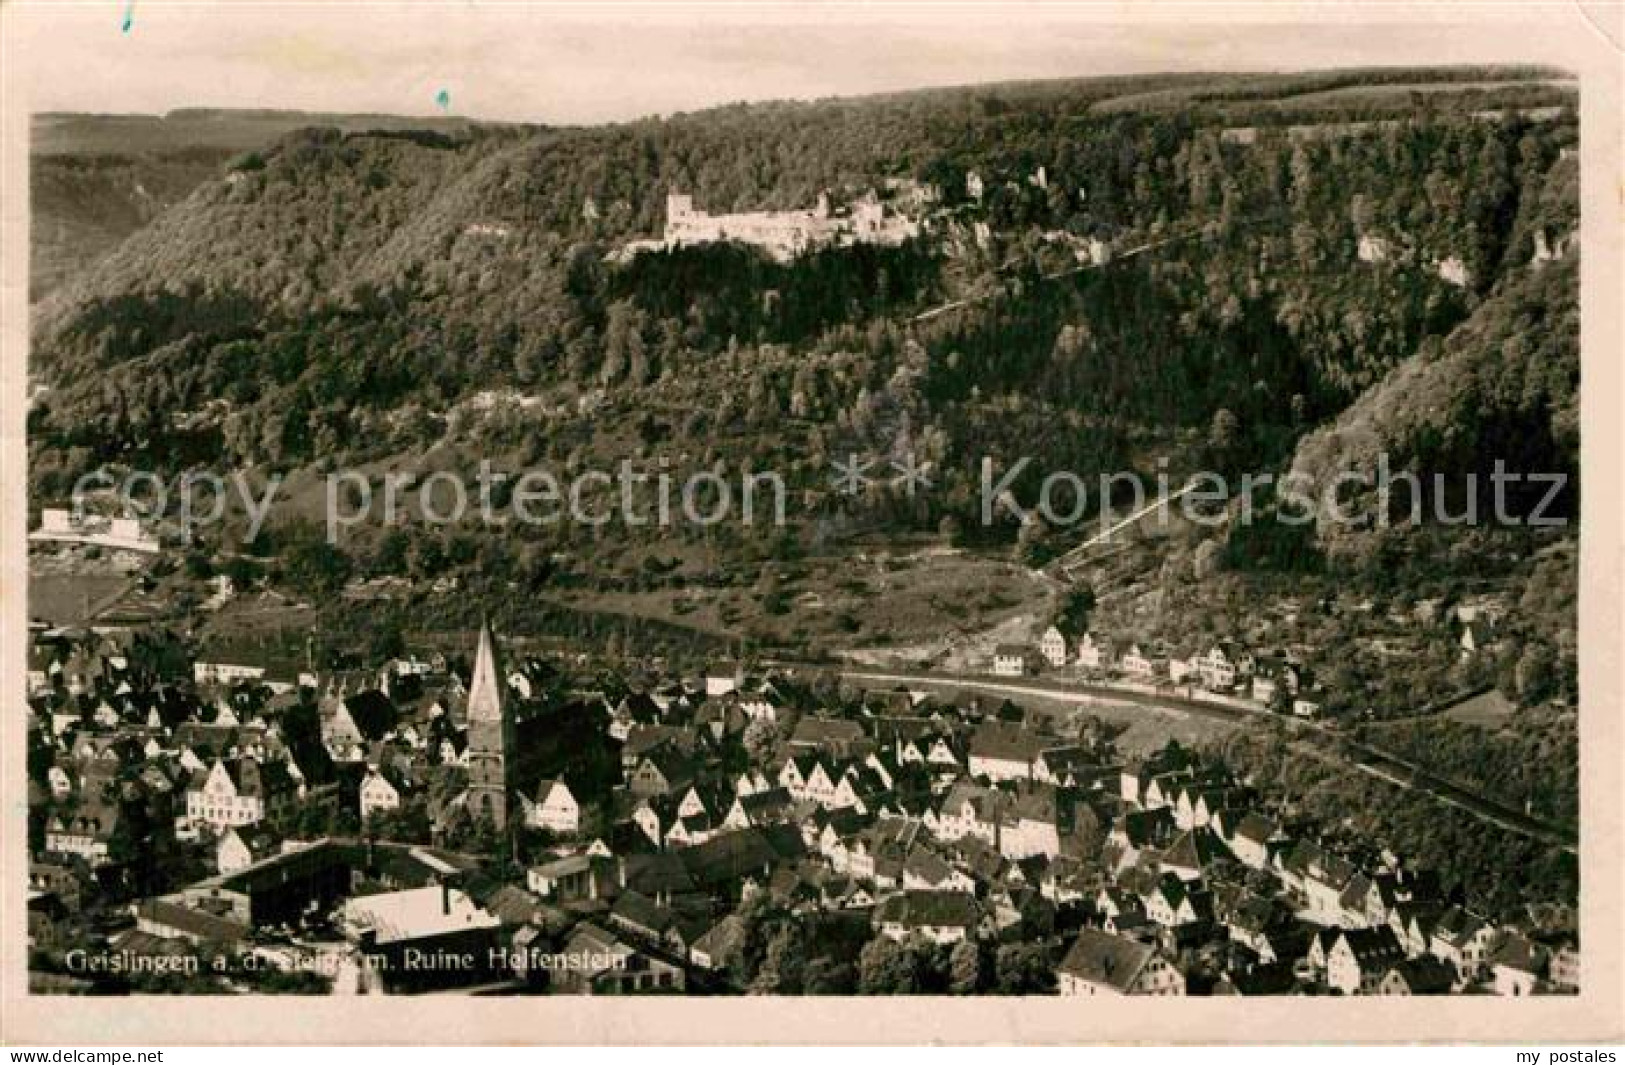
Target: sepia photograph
<point x="823" y="503"/>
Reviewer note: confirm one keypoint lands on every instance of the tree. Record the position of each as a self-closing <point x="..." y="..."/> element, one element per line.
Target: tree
<point x="756" y="915"/>
<point x="761" y="739"/>
<point x="312" y="565"/>
<point x="965" y="968"/>
<point x="1023" y="969"/>
<point x="385" y="640"/>
<point x="1076" y="606"/>
<point x="784" y="963"/>
<point x="1535" y="675"/>
<point x="827" y="976"/>
<point x="1032" y="541"/>
<point x="886" y="968"/>
<point x="1224" y="436"/>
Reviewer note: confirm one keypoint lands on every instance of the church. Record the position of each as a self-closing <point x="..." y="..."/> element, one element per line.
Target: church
<point x="539" y="761"/>
<point x="490" y="736"/>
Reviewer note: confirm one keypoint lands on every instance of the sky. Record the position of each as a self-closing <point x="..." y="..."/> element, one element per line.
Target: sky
<point x="573" y="64"/>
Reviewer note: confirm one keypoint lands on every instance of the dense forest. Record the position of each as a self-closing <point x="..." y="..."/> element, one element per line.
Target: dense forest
<point x="1305" y="271"/>
<point x="327" y="284"/>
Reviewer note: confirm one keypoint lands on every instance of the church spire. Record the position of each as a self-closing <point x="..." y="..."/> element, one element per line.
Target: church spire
<point x="490" y="735"/>
<point x="485" y="690"/>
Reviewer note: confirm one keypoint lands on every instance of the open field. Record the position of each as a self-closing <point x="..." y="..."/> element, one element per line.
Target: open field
<point x="71" y="598"/>
<point x="1232" y="93"/>
<point x="920" y="604"/>
<point x="1490" y="710"/>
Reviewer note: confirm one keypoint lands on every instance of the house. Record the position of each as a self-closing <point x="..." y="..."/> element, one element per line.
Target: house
<point x="61" y="783"/>
<point x="762" y="701"/>
<point x="1174" y="903"/>
<point x="241" y="848"/>
<point x="837" y="736"/>
<point x="1320" y="878"/>
<point x="1182" y="665"/>
<point x="1564" y="968"/>
<point x="942" y="917"/>
<point x="169" y="919"/>
<point x="1011" y="660"/>
<point x="926" y="870"/>
<point x="1423" y="975"/>
<point x="652" y="817"/>
<point x="1413" y="923"/>
<point x="722" y="947"/>
<point x="383" y="789"/>
<point x="1200" y="802"/>
<point x="555" y="809"/>
<point x="1192" y="852"/>
<point x="1417" y="891"/>
<point x="969" y="809"/>
<point x="1219" y="667"/>
<point x="1476" y="635"/>
<point x="1360" y="958"/>
<point x="48" y="920"/>
<point x="396" y="929"/>
<point x="1052" y="646"/>
<point x="1518" y="964"/>
<point x="242" y="791"/>
<point x="1255" y="981"/>
<point x="1003" y="750"/>
<point x="647" y="921"/>
<point x="723" y="678"/>
<point x="1140" y="664"/>
<point x="1141" y="830"/>
<point x="663" y="771"/>
<point x="63" y="878"/>
<point x="1030" y="823"/>
<point x="1463" y="940"/>
<point x="574" y="877"/>
<point x="1251" y="838"/>
<point x="1095" y="652"/>
<point x="224" y="673"/>
<point x="1251" y="922"/>
<point x="1373" y="249"/>
<point x="759" y="808"/>
<point x="609" y="965"/>
<point x="87" y="832"/>
<point x="729" y="859"/>
<point x="340" y="734"/>
<point x="811" y="777"/>
<point x="692" y="830"/>
<point x="1100" y="963"/>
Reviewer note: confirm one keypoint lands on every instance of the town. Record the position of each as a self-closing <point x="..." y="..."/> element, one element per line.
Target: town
<point x="525" y="824"/>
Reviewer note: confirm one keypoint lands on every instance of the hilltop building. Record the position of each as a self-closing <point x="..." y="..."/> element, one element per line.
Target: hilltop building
<point x="784" y="235"/>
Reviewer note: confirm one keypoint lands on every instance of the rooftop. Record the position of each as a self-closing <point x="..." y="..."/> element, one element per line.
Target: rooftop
<point x="416" y="914"/>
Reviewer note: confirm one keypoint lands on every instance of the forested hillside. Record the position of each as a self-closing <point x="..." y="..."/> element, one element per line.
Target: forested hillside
<point x="95" y="179"/>
<point x="339" y="276"/>
<point x="1357" y="268"/>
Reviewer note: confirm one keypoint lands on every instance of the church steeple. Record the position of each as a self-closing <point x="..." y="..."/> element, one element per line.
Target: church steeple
<point x="486" y="699"/>
<point x="490" y="735"/>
